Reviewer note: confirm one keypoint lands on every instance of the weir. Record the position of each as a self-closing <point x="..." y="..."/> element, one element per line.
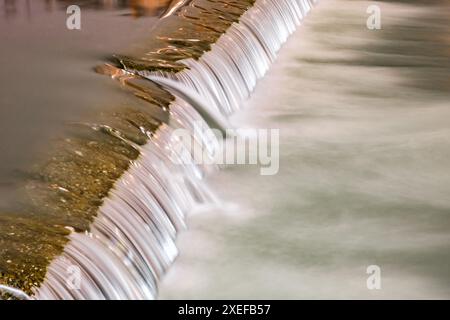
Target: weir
<point x="131" y="241"/>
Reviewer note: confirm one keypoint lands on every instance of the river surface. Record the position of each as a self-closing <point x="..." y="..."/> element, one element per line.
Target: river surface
<point x="48" y="81"/>
<point x="364" y="174"/>
<point x="364" y="146"/>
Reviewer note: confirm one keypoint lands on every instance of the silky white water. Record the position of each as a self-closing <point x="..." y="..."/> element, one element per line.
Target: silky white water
<point x="131" y="243"/>
<point x="364" y="173"/>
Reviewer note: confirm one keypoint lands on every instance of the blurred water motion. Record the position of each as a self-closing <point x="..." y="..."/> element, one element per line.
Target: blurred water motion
<point x="364" y="167"/>
<point x="364" y="174"/>
<point x="76" y="188"/>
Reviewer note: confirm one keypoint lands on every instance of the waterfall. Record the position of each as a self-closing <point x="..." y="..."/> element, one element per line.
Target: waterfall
<point x="225" y="76"/>
<point x="132" y="240"/>
<point x="212" y="117"/>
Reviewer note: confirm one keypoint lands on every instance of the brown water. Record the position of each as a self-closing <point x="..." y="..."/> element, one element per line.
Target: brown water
<point x="47" y="79"/>
<point x="82" y="131"/>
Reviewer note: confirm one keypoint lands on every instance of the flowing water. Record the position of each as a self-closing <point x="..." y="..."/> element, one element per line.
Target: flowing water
<point x="364" y="173"/>
<point x="110" y="199"/>
<point x="47" y="80"/>
<point x="363" y="151"/>
<point x="49" y="96"/>
<point x="131" y="244"/>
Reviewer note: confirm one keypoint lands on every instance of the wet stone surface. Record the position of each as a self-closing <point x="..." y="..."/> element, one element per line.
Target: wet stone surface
<point x="62" y="193"/>
<point x="187" y="34"/>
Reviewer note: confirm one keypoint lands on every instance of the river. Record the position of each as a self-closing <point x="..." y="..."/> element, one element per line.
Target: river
<point x="364" y="174"/>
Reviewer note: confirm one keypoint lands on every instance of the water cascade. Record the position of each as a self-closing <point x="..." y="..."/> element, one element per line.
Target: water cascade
<point x="131" y="242"/>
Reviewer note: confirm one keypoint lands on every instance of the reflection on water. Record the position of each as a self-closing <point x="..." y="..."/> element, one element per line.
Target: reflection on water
<point x="137" y="8"/>
<point x="51" y="99"/>
<point x="47" y="79"/>
<point x="58" y="154"/>
<point x="364" y="170"/>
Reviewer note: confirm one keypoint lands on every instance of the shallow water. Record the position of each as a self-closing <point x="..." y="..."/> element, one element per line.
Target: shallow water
<point x="364" y="155"/>
<point x="74" y="189"/>
<point x="47" y="80"/>
<point x="364" y="173"/>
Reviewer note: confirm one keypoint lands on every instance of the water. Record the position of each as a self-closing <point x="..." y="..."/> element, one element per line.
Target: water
<point x="130" y="243"/>
<point x="345" y="197"/>
<point x="47" y="78"/>
<point x="364" y="176"/>
<point x="53" y="110"/>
